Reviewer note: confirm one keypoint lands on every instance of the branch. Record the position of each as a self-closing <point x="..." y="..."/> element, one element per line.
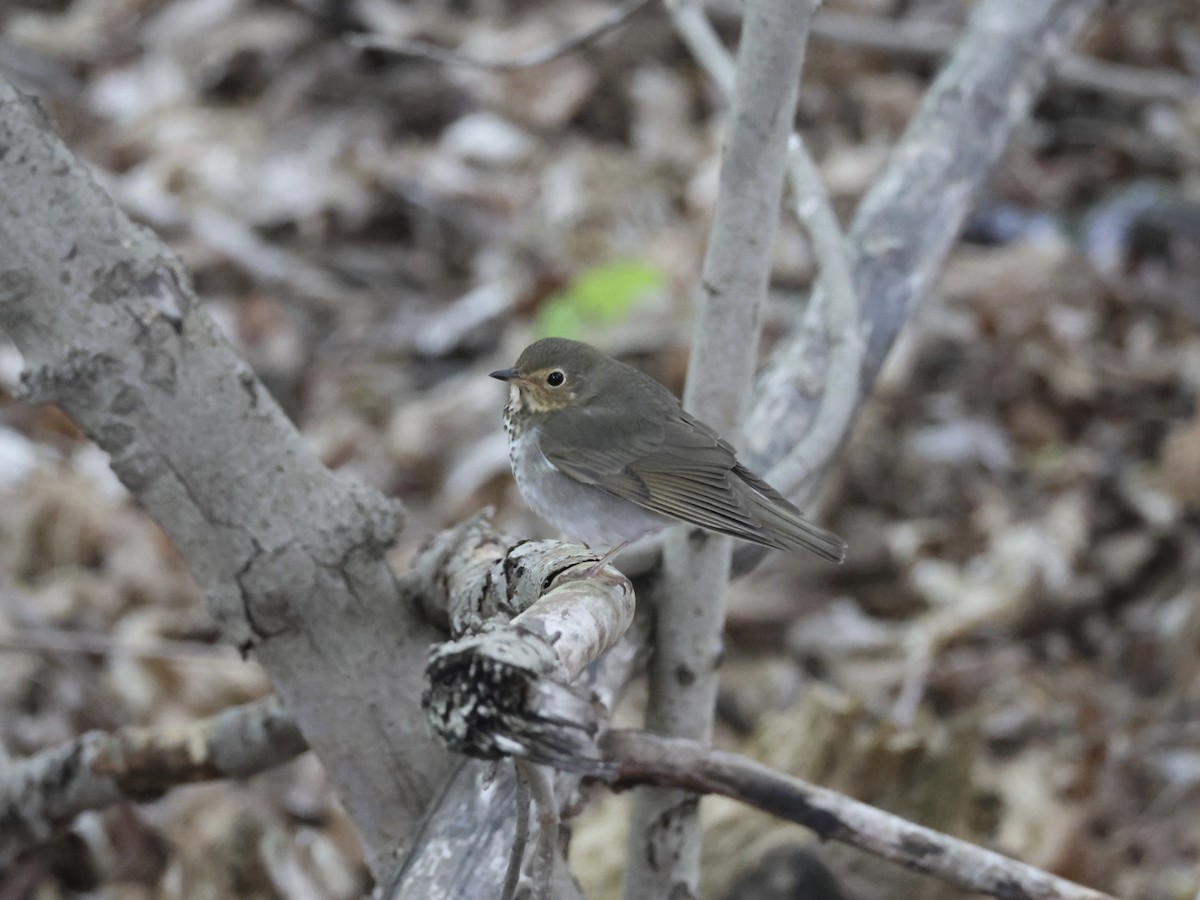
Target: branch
<point x="65" y="640"/>
<point x="908" y="221"/>
<point x="664" y="840"/>
<point x="41" y="795"/>
<point x="538" y="57"/>
<point x="290" y="557"/>
<point x="932" y="40"/>
<point x="642" y="758"/>
<point x="814" y="209"/>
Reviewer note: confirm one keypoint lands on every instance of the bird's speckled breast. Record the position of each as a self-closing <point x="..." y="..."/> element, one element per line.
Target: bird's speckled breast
<point x="582" y="511"/>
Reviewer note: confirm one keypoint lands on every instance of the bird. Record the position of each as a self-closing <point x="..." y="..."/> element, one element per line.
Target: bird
<point x="607" y="455"/>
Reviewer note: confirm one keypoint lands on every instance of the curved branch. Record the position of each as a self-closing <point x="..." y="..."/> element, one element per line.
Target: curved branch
<point x="643" y="758"/>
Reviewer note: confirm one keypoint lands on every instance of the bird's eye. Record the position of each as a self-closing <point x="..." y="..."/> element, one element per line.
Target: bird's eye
<point x="555" y="378"/>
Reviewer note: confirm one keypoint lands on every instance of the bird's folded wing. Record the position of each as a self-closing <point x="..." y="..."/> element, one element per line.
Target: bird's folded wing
<point x="679" y="467"/>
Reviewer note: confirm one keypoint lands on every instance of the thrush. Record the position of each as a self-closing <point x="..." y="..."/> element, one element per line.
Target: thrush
<point x="606" y="454"/>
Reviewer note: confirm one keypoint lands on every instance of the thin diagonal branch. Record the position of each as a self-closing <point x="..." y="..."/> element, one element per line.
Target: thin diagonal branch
<point x="642" y="758"/>
<point x="537" y="57"/>
<point x="290" y="557"/>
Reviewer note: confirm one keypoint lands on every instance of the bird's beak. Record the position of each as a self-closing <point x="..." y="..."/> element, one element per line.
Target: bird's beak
<point x="504" y="374"/>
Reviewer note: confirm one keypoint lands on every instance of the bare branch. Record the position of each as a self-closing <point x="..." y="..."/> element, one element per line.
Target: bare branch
<point x="41" y="795"/>
<point x="465" y="841"/>
<point x="520" y="839"/>
<point x="733" y="284"/>
<point x="839" y="399"/>
<point x="505" y="687"/>
<point x="62" y="640"/>
<point x="541" y="790"/>
<point x="290" y="557"/>
<point x="933" y="40"/>
<point x="643" y="758"/>
<point x="538" y="57"/>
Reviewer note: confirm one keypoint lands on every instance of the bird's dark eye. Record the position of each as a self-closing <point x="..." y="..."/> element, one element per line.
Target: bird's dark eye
<point x="555" y="378"/>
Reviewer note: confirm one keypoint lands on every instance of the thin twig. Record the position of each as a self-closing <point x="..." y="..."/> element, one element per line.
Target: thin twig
<point x="41" y="794"/>
<point x="541" y="786"/>
<point x="537" y="57"/>
<point x="837" y="303"/>
<point x="521" y="838"/>
<point x="664" y="849"/>
<point x="643" y="758"/>
<point x="704" y="44"/>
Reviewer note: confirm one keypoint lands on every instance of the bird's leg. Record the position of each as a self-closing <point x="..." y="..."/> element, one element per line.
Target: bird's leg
<point x="606" y="558"/>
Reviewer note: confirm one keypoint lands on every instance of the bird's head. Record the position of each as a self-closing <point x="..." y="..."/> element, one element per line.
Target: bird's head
<point x="556" y="373"/>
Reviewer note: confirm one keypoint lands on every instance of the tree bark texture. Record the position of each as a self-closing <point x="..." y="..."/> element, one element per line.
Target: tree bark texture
<point x="290" y="556"/>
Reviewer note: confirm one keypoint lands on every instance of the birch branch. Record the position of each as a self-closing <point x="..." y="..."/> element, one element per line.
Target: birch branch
<point x="664" y="841"/>
<point x="642" y="758"/>
<point x="289" y="556"/>
<point x="506" y="688"/>
<point x="41" y="795"/>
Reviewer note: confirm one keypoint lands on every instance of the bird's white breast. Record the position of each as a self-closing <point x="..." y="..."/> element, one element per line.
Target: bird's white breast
<point x="584" y="512"/>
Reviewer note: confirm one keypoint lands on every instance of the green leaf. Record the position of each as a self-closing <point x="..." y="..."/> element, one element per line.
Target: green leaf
<point x="598" y="296"/>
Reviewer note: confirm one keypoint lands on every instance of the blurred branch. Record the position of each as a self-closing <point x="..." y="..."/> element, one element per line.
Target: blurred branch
<point x="664" y="841"/>
<point x="933" y="40"/>
<point x="261" y="261"/>
<point x="290" y="556"/>
<point x="62" y="640"/>
<point x="908" y="221"/>
<point x="814" y="209"/>
<point x="42" y="794"/>
<point x="642" y="758"/>
<point x="530" y="59"/>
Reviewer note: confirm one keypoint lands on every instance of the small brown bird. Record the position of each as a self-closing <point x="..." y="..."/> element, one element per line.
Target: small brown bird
<point x="607" y="454"/>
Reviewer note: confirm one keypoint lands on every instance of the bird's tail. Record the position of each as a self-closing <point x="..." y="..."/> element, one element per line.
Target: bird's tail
<point x="782" y="526"/>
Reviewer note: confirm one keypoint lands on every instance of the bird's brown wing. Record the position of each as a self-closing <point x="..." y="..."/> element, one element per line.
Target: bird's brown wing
<point x="675" y="465"/>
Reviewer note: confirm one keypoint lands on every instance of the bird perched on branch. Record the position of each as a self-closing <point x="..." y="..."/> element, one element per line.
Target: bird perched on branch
<point x="608" y="455"/>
